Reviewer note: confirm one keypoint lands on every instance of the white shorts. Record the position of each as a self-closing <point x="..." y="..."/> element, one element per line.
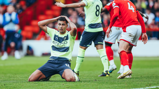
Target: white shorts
<point x="114" y="35"/>
<point x="132" y="34"/>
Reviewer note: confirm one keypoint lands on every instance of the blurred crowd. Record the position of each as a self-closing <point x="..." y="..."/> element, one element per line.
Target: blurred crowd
<point x="149" y="7"/>
<point x="9" y="21"/>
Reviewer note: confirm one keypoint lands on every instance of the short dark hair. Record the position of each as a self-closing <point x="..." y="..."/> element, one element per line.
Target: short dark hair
<point x="62" y="19"/>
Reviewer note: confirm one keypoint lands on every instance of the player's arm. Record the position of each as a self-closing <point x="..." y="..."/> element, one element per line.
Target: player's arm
<point x="42" y="24"/>
<point x="73" y="5"/>
<point x="115" y="16"/>
<point x="112" y="21"/>
<point x="72" y="26"/>
<point x="144" y="35"/>
<point x="103" y="9"/>
<point x="106" y="7"/>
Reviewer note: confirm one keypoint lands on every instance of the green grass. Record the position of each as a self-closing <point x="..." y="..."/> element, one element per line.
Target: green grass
<point x="14" y="74"/>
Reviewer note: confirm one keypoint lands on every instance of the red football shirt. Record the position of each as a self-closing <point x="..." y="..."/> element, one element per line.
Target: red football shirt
<point x="127" y="10"/>
<point x="109" y="8"/>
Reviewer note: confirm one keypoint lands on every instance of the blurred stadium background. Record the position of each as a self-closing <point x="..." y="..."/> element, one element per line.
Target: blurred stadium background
<point x="35" y="42"/>
<point x="32" y="11"/>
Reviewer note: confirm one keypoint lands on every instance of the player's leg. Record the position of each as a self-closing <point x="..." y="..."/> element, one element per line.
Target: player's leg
<point x="85" y="42"/>
<point x="130" y="55"/>
<point x="130" y="58"/>
<point x="114" y="35"/>
<point x="37" y="75"/>
<point x="6" y="45"/>
<point x="124" y="58"/>
<point x="104" y="60"/>
<point x="70" y="76"/>
<point x="110" y="55"/>
<point x="80" y="58"/>
<point x="66" y="72"/>
<point x="130" y="37"/>
<point x="129" y="49"/>
<point x="16" y="37"/>
<point x="98" y="41"/>
<point x="45" y="71"/>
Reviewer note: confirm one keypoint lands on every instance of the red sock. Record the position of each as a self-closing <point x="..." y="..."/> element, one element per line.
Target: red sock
<point x="130" y="59"/>
<point x="121" y="61"/>
<point x="109" y="52"/>
<point x="124" y="58"/>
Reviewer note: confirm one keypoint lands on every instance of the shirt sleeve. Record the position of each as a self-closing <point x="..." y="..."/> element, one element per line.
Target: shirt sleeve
<point x="50" y="31"/>
<point x="108" y="6"/>
<point x="87" y="2"/>
<point x="139" y="17"/>
<point x="114" y="17"/>
<point x="16" y="21"/>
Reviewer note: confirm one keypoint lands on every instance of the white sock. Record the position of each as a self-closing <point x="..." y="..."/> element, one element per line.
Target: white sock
<point x="126" y="68"/>
<point x="76" y="77"/>
<point x="111" y="62"/>
<point x="121" y="67"/>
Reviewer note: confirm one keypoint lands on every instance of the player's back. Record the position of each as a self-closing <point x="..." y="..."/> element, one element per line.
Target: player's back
<point x="127" y="11"/>
<point x="109" y="7"/>
<point x="92" y="14"/>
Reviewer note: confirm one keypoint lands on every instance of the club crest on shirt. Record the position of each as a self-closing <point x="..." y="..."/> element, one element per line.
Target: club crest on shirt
<point x="60" y="41"/>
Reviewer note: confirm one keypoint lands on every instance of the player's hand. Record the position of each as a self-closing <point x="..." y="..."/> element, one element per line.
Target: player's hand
<point x="82" y="14"/>
<point x="144" y="38"/>
<point x="107" y="32"/>
<point x="66" y="18"/>
<point x="60" y="4"/>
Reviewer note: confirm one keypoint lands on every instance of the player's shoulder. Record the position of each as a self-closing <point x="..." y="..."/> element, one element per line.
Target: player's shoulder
<point x="110" y="3"/>
<point x="120" y="1"/>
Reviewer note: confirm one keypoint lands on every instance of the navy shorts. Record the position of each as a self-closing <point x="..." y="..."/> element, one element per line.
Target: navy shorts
<point x="88" y="37"/>
<point x="55" y="67"/>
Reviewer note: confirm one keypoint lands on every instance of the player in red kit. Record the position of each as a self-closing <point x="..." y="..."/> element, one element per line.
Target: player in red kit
<point x="133" y="27"/>
<point x="116" y="31"/>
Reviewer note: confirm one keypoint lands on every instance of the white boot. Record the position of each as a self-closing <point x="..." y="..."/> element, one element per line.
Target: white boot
<point x="5" y="56"/>
<point x="17" y="55"/>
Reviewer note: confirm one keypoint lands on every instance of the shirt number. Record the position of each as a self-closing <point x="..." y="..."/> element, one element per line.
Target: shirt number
<point x="130" y="7"/>
<point x="97" y="10"/>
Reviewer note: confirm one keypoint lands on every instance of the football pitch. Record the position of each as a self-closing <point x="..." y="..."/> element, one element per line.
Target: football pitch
<point x="14" y="74"/>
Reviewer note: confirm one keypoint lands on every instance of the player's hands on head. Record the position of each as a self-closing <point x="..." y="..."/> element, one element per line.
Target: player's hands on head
<point x="60" y="4"/>
<point x="107" y="32"/>
<point x="66" y="18"/>
<point x="144" y="38"/>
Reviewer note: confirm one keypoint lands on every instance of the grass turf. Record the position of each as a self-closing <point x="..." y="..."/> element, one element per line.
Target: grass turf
<point x="14" y="74"/>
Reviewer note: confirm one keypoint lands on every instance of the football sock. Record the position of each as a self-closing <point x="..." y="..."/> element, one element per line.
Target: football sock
<point x="126" y="68"/>
<point x="109" y="52"/>
<point x="121" y="67"/>
<point x="104" y="59"/>
<point x="130" y="59"/>
<point x="79" y="60"/>
<point x="124" y="59"/>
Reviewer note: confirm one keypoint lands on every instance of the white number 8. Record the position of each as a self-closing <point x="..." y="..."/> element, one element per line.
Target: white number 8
<point x="130" y="7"/>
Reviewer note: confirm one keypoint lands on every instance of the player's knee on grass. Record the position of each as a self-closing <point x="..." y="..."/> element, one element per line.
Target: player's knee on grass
<point x="68" y="75"/>
<point x="36" y="76"/>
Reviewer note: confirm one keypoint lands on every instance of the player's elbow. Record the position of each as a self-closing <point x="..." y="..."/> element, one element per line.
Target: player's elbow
<point x="39" y="23"/>
<point x="82" y="4"/>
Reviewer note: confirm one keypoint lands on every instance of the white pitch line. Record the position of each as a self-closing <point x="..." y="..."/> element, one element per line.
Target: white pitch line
<point x="147" y="87"/>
